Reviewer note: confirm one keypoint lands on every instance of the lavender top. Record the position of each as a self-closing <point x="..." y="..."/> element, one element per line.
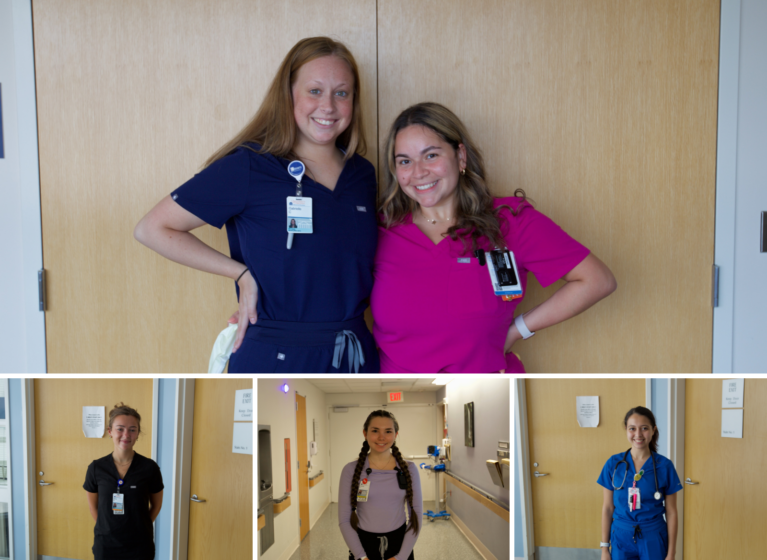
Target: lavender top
<point x="383" y="512"/>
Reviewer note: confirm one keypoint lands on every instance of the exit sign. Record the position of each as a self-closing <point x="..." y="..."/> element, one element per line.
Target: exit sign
<point x="395" y="397"/>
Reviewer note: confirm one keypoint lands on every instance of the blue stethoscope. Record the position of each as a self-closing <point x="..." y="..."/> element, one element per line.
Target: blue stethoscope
<point x="657" y="494"/>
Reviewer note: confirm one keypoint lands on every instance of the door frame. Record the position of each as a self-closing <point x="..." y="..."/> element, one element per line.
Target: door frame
<point x="726" y="184"/>
<point x="676" y="408"/>
<point x="26" y="142"/>
<point x="30" y="459"/>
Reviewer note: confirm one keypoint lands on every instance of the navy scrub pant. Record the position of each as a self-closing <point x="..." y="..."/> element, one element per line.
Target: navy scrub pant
<point x="641" y="541"/>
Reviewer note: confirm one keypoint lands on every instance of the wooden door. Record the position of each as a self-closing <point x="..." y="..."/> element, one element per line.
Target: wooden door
<point x="567" y="503"/>
<point x="605" y="114"/>
<point x="724" y="513"/>
<point x="222" y="526"/>
<point x="63" y="453"/>
<point x="303" y="465"/>
<point x="132" y="98"/>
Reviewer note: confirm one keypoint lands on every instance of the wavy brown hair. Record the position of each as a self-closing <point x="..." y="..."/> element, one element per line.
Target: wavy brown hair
<point x="475" y="216"/>
<point x="274" y="125"/>
<point x="122" y="409"/>
<point x="400" y="461"/>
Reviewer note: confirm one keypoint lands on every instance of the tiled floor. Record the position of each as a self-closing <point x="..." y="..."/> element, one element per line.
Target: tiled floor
<point x="438" y="540"/>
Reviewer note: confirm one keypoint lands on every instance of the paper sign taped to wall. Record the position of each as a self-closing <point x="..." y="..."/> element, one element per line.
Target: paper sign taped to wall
<point x="588" y="411"/>
<point x="93" y="421"/>
<point x="243" y="405"/>
<point x="732" y="393"/>
<point x="242" y="439"/>
<point x="732" y="423"/>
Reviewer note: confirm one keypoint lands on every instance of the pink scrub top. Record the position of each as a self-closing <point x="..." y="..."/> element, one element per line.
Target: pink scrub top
<point x="435" y="312"/>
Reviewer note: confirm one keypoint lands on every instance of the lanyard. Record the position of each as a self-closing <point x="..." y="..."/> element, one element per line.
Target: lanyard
<point x="299" y="208"/>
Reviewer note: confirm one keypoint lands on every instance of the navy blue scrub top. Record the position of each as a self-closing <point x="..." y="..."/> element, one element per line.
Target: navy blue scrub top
<point x="651" y="510"/>
<point x="327" y="276"/>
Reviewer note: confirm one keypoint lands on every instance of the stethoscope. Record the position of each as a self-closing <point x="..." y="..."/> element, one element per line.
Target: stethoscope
<point x="657" y="494"/>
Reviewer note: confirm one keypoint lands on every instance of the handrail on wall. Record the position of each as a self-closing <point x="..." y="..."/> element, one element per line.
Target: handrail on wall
<point x="480" y="495"/>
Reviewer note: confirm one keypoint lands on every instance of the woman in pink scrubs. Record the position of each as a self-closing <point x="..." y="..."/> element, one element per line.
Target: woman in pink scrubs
<point x="434" y="306"/>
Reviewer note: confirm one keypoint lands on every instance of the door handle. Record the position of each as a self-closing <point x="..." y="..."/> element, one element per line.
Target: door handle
<point x="195" y="499"/>
<point x="690" y="482"/>
<point x="538" y="474"/>
<point x="43" y="483"/>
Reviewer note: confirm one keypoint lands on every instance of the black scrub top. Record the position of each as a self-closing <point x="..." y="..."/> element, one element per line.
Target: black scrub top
<point x="327" y="276"/>
<point x="129" y="536"/>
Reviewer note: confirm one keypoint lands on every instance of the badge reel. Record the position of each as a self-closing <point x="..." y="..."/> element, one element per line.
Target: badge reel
<point x="364" y="490"/>
<point x="635" y="497"/>
<point x="118" y="503"/>
<point x="299" y="207"/>
<point x="503" y="273"/>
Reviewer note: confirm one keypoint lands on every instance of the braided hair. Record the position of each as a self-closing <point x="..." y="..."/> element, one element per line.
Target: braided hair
<point x="400" y="461"/>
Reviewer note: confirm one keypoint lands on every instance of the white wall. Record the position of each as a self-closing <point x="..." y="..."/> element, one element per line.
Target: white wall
<point x="751" y="196"/>
<point x="22" y="326"/>
<point x="278" y="410"/>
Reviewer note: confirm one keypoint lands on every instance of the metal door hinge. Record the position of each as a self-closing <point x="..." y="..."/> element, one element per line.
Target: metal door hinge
<point x="41" y="289"/>
<point x="715" y="286"/>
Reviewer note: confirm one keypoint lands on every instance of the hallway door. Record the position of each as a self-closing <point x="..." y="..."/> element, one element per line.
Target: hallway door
<point x="726" y="510"/>
<point x="605" y="114"/>
<point x="222" y="525"/>
<point x="63" y="453"/>
<point x="303" y="465"/>
<point x="567" y="502"/>
<point x="133" y="97"/>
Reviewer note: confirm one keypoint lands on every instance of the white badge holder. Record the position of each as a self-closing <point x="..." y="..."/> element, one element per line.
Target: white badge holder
<point x="299" y="207"/>
<point x="118" y="503"/>
<point x="633" y="491"/>
<point x="364" y="490"/>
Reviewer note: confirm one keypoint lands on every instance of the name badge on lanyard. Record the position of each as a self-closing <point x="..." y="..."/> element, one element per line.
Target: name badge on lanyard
<point x="503" y="274"/>
<point x="299" y="207"/>
<point x="118" y="503"/>
<point x="364" y="490"/>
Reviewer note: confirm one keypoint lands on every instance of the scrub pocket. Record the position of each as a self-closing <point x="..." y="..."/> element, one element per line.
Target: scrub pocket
<point x="470" y="292"/>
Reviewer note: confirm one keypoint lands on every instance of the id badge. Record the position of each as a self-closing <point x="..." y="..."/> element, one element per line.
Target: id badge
<point x="299" y="214"/>
<point x="635" y="492"/>
<point x="364" y="490"/>
<point x="118" y="506"/>
<point x="503" y="274"/>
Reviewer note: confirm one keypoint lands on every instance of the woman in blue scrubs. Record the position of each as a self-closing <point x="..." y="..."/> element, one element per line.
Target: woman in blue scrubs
<point x="301" y="303"/>
<point x="640" y="486"/>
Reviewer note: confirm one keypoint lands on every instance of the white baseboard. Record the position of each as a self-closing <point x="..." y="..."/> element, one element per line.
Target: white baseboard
<point x="481" y="548"/>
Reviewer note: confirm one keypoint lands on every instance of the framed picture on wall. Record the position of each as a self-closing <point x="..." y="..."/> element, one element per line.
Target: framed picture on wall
<point x="468" y="424"/>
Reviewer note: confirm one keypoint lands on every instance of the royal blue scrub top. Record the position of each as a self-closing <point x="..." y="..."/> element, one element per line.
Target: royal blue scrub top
<point x="327" y="276"/>
<point x="651" y="510"/>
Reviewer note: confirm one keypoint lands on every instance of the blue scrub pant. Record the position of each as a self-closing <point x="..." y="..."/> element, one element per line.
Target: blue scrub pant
<point x="641" y="541"/>
<point x="287" y="347"/>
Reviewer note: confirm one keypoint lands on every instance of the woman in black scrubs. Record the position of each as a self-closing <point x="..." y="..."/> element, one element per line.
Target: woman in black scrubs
<point x="124" y="493"/>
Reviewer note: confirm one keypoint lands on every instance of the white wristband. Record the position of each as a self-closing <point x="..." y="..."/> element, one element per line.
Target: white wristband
<point x="522" y="328"/>
<point x="604" y="545"/>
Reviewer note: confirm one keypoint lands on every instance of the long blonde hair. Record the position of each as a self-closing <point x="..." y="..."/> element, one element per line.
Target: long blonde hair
<point x="274" y="126"/>
<point x="475" y="215"/>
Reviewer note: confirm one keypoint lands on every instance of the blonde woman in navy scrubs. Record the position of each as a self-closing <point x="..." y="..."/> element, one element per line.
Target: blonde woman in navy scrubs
<point x="302" y="295"/>
<point x="640" y="488"/>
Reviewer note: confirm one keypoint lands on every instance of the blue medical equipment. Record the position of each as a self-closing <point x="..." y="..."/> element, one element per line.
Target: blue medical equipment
<point x="434" y="452"/>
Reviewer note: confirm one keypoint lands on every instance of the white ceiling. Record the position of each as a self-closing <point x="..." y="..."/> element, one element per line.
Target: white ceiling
<point x="409" y="384"/>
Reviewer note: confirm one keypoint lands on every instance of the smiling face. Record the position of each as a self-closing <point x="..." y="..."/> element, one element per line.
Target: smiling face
<point x="639" y="431"/>
<point x="427" y="167"/>
<point x="380" y="434"/>
<point x="323" y="100"/>
<point x="124" y="432"/>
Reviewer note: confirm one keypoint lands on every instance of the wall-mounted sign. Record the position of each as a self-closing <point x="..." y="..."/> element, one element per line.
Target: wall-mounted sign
<point x="243" y="405"/>
<point x="94" y="421"/>
<point x="587" y="409"/>
<point x="396" y="397"/>
<point x="732" y="423"/>
<point x="732" y="393"/>
<point x="242" y="438"/>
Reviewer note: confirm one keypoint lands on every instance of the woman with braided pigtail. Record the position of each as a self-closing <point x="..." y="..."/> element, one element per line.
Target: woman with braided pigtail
<point x="379" y="496"/>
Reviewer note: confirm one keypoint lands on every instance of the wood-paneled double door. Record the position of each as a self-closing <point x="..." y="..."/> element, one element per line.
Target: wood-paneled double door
<point x="605" y="113"/>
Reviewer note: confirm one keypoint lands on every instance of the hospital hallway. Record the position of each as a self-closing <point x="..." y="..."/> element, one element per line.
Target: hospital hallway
<point x="438" y="539"/>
